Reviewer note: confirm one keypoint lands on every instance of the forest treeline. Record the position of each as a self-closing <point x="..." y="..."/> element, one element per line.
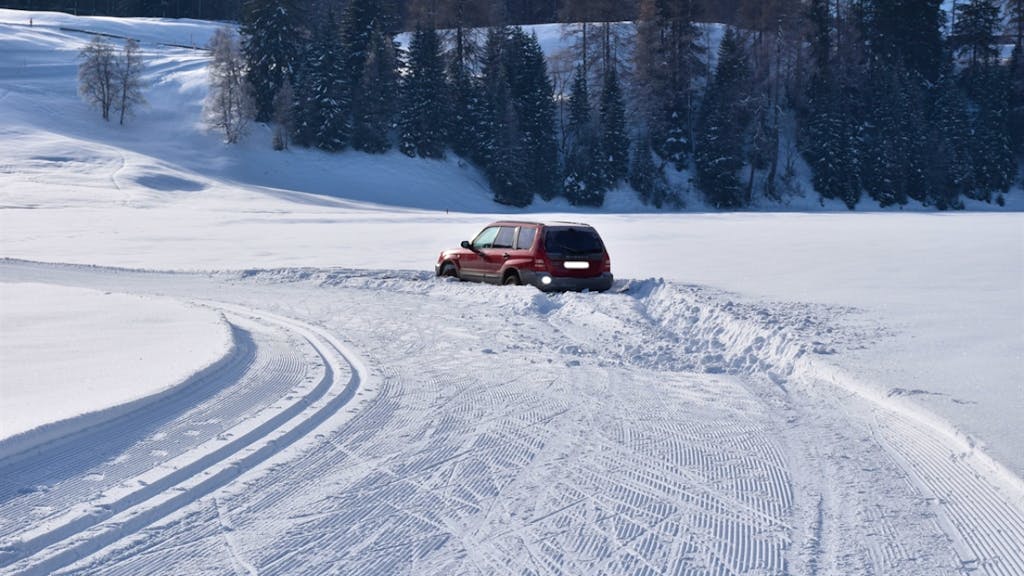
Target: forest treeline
<point x="895" y="100"/>
<point x="480" y="13"/>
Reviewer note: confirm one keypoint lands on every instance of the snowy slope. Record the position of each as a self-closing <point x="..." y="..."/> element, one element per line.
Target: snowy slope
<point x="802" y="393"/>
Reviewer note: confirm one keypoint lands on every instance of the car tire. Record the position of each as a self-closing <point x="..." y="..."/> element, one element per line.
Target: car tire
<point x="448" y="270"/>
<point x="511" y="279"/>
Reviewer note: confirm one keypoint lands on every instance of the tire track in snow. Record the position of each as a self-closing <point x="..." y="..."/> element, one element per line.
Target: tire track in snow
<point x="175" y="484"/>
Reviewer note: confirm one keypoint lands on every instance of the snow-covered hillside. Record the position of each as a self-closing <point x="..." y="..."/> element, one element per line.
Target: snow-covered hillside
<point x="772" y="393"/>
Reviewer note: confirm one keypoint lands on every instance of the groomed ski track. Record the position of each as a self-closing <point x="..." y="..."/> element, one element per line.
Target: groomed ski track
<point x="391" y="423"/>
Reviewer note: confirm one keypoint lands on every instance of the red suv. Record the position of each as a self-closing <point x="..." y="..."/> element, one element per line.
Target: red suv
<point x="550" y="256"/>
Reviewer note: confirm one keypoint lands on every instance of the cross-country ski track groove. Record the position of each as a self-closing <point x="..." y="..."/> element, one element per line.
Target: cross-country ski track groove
<point x="666" y="430"/>
<point x="281" y="380"/>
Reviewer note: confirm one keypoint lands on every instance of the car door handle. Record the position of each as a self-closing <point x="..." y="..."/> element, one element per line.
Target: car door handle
<point x="506" y="256"/>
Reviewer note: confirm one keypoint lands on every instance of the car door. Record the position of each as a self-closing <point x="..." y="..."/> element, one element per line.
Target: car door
<point x="473" y="264"/>
<point x="495" y="255"/>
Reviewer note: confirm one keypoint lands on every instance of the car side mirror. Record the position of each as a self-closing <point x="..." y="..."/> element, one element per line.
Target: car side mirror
<point x="465" y="244"/>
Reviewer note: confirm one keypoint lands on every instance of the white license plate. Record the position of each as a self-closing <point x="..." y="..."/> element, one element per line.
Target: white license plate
<point x="577" y="265"/>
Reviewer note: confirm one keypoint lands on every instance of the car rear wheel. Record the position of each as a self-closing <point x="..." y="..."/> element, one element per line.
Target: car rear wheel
<point x="511" y="279"/>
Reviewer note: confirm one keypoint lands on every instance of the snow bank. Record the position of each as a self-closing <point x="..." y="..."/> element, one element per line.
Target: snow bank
<point x="69" y="352"/>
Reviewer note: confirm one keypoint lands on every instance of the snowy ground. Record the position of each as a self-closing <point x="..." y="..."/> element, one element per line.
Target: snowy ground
<point x="763" y="393"/>
<point x="70" y="351"/>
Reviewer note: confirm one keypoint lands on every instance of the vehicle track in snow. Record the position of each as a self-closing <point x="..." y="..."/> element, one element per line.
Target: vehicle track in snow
<point x="669" y="430"/>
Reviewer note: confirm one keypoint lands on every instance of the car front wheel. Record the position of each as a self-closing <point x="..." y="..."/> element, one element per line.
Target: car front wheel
<point x="448" y="270"/>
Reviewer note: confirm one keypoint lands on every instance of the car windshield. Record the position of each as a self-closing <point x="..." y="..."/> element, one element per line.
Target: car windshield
<point x="572" y="241"/>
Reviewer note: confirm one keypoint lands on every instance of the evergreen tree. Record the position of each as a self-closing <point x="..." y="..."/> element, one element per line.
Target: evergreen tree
<point x="466" y="134"/>
<point x="950" y="168"/>
<point x="830" y="141"/>
<point x="270" y="43"/>
<point x="464" y="89"/>
<point x="583" y="180"/>
<point x="906" y="33"/>
<point x="534" y="104"/>
<point x="820" y="36"/>
<point x="991" y="145"/>
<point x="893" y="155"/>
<point x="1016" y="104"/>
<point x="614" y="147"/>
<point x="1016" y="13"/>
<point x="667" y="64"/>
<point x="974" y="31"/>
<point x="322" y="104"/>
<point x="722" y="125"/>
<point x="375" y="99"/>
<point x="989" y="88"/>
<point x="502" y="154"/>
<point x="645" y="176"/>
<point x="424" y="111"/>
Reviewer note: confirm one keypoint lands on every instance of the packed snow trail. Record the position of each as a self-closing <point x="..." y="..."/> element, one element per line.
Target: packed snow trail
<point x="667" y="430"/>
<point x="91" y="488"/>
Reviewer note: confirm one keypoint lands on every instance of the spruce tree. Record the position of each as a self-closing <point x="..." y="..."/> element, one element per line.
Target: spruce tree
<point x="974" y="31"/>
<point x="951" y="169"/>
<point x="895" y="140"/>
<point x="322" y="108"/>
<point x="991" y="144"/>
<point x="534" y="103"/>
<point x="370" y="76"/>
<point x="501" y="152"/>
<point x="583" y="180"/>
<point x="645" y="176"/>
<point x="270" y="41"/>
<point x="614" y="148"/>
<point x="667" y="67"/>
<point x="424" y="112"/>
<point x="722" y="125"/>
<point x="906" y="33"/>
<point x="829" y="140"/>
<point x="464" y="87"/>
<point x="989" y="87"/>
<point x="1016" y="104"/>
<point x="375" y="99"/>
<point x="466" y="134"/>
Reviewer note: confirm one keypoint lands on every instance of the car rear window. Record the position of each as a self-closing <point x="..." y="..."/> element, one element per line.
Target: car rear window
<point x="572" y="241"/>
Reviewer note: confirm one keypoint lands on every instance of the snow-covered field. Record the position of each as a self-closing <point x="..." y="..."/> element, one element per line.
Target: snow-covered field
<point x="762" y="393"/>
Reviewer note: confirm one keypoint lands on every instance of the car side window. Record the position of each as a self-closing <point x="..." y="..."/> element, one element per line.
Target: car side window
<point x="526" y="236"/>
<point x="504" y="238"/>
<point x="485" y="239"/>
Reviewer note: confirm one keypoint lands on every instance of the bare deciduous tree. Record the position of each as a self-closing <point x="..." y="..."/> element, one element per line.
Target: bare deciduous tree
<point x="96" y="75"/>
<point x="128" y="79"/>
<point x="229" y="104"/>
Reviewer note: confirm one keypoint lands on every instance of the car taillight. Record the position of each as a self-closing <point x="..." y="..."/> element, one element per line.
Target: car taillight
<point x="539" y="264"/>
<point x="607" y="264"/>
